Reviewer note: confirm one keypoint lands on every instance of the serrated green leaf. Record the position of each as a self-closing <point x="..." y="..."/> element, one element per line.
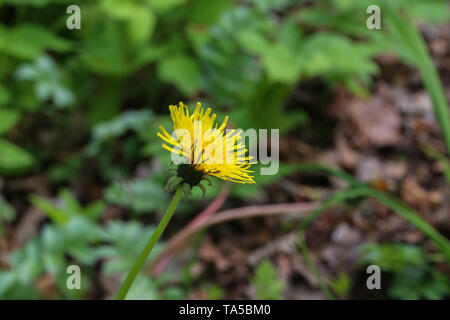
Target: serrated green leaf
<point x="266" y="283"/>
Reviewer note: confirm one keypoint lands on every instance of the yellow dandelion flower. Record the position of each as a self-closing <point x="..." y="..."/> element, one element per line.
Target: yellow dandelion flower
<point x="205" y="148"/>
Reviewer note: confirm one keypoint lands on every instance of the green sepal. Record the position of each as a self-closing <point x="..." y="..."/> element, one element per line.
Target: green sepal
<point x="206" y="178"/>
<point x="173" y="183"/>
<point x="172" y="170"/>
<point x="186" y="190"/>
<point x="202" y="187"/>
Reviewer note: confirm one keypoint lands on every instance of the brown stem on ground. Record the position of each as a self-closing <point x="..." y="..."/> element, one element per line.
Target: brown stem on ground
<point x="161" y="261"/>
<point x="177" y="242"/>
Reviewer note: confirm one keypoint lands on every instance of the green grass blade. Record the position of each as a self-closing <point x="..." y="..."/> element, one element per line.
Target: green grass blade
<point x="313" y="269"/>
<point x="417" y="47"/>
<point x="315" y="167"/>
<point x="47" y="207"/>
<point x="389" y="201"/>
<point x="439" y="157"/>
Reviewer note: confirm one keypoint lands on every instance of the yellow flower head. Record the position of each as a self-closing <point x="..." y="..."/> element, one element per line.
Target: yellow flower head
<point x="205" y="148"/>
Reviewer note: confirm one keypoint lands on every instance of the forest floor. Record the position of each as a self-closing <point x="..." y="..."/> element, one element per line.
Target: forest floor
<point x="380" y="140"/>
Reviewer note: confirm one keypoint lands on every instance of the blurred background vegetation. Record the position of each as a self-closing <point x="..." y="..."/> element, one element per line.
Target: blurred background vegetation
<point x="81" y="168"/>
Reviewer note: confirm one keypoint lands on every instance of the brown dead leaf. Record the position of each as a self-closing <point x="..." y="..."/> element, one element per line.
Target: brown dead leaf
<point x="46" y="285"/>
<point x="413" y="194"/>
<point x="211" y="253"/>
<point x="376" y="121"/>
<point x="345" y="235"/>
<point x="345" y="154"/>
<point x="369" y="122"/>
<point x="28" y="226"/>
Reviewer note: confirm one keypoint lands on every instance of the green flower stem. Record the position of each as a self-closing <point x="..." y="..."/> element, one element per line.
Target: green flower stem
<point x="149" y="246"/>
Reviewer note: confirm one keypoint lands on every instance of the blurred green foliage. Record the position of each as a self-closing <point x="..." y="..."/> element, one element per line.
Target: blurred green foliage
<point x="341" y="285"/>
<point x="77" y="103"/>
<point x="76" y="237"/>
<point x="414" y="274"/>
<point x="243" y="56"/>
<point x="266" y="283"/>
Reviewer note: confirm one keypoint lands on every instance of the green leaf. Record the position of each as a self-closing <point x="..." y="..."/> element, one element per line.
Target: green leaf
<point x="5" y="96"/>
<point x="267" y="5"/>
<point x="94" y="210"/>
<point x="327" y="53"/>
<point x="413" y="275"/>
<point x="8" y="119"/>
<point x="142" y="195"/>
<point x="48" y="79"/>
<point x="70" y="203"/>
<point x="37" y="3"/>
<point x="207" y="11"/>
<point x="103" y="51"/>
<point x="182" y="71"/>
<point x="7" y="211"/>
<point x="266" y="282"/>
<point x="281" y="59"/>
<point x="132" y="120"/>
<point x="13" y="158"/>
<point x="281" y="64"/>
<point x="28" y="41"/>
<point x="431" y="11"/>
<point x="119" y="9"/>
<point x="108" y="51"/>
<point x="140" y="18"/>
<point x="391" y="257"/>
<point x="142" y="25"/>
<point x="54" y="213"/>
<point x="341" y="285"/>
<point x="162" y="6"/>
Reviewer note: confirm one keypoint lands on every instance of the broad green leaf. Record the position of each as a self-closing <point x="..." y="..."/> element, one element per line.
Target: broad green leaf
<point x="28" y="41"/>
<point x="48" y="80"/>
<point x="142" y="25"/>
<point x="281" y="64"/>
<point x="162" y="6"/>
<point x="107" y="51"/>
<point x="182" y="71"/>
<point x="104" y="50"/>
<point x="13" y="158"/>
<point x="431" y="11"/>
<point x="207" y="11"/>
<point x="333" y="54"/>
<point x="391" y="257"/>
<point x="141" y="195"/>
<point x="7" y="211"/>
<point x="37" y="3"/>
<point x="135" y="120"/>
<point x="120" y="9"/>
<point x="54" y="213"/>
<point x="8" y="119"/>
<point x="5" y="96"/>
<point x="140" y="18"/>
<point x="267" y="5"/>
